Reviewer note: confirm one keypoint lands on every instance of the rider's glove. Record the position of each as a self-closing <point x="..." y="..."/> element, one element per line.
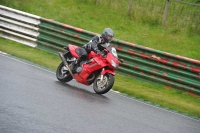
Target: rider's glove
<point x="97" y="51"/>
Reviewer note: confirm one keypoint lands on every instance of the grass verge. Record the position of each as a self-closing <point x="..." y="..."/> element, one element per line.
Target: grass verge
<point x="139" y="29"/>
<point x="156" y="94"/>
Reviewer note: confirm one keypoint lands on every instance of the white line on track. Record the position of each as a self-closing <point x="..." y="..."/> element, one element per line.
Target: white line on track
<point x="112" y="91"/>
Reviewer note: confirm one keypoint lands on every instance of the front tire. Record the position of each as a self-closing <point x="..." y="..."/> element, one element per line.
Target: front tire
<point x="102" y="87"/>
<point x="62" y="73"/>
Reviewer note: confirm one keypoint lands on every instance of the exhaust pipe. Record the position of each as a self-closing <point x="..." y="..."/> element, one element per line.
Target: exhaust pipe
<point x="65" y="63"/>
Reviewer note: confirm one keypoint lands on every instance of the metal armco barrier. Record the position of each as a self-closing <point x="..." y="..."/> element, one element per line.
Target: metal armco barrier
<point x="160" y="67"/>
<point x="19" y="26"/>
<point x="140" y="62"/>
<point x="54" y="35"/>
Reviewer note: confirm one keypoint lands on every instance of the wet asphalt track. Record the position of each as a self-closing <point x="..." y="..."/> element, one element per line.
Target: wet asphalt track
<point x="33" y="101"/>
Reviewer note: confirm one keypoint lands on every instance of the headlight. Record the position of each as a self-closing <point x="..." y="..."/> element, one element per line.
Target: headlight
<point x="114" y="64"/>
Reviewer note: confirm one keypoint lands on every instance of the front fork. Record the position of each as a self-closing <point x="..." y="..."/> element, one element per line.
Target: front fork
<point x="101" y="78"/>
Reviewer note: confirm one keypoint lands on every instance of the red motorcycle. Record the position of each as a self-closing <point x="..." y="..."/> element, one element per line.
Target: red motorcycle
<point x="98" y="69"/>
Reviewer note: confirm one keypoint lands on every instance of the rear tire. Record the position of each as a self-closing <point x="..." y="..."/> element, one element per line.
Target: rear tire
<point x="102" y="87"/>
<point x="62" y="73"/>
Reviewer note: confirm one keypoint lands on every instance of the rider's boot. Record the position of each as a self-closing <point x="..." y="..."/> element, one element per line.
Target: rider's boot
<point x="72" y="67"/>
<point x="75" y="64"/>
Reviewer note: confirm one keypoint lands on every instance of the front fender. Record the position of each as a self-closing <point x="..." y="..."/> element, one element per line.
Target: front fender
<point x="107" y="71"/>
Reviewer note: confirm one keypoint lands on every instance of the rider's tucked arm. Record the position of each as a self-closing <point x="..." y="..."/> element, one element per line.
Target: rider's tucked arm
<point x="94" y="46"/>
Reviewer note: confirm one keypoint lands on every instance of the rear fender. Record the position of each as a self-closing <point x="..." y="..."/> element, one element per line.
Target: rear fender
<point x="72" y="49"/>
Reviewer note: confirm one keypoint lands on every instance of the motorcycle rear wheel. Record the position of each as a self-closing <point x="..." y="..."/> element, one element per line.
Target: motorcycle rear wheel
<point x="102" y="87"/>
<point x="62" y="73"/>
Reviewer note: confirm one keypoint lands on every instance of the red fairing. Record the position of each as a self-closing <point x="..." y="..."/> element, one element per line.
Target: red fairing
<point x="108" y="71"/>
<point x="72" y="49"/>
<point x="102" y="64"/>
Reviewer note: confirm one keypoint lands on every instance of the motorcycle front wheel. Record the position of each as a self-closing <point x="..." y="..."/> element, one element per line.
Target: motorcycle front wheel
<point x="63" y="74"/>
<point x="102" y="87"/>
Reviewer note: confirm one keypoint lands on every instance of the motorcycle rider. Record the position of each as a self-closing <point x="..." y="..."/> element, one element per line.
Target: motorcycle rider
<point x="97" y="44"/>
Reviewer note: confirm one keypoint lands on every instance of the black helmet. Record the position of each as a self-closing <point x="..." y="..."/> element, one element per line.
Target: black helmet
<point x="107" y="35"/>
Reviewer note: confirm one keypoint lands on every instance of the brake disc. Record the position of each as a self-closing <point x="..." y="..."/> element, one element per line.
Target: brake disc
<point x="102" y="83"/>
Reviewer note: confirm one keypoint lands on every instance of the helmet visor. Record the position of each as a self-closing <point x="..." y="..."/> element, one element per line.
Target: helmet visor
<point x="109" y="38"/>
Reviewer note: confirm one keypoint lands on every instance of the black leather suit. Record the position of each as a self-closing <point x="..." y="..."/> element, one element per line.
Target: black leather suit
<point x="95" y="44"/>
